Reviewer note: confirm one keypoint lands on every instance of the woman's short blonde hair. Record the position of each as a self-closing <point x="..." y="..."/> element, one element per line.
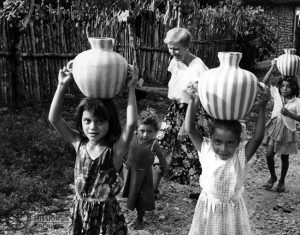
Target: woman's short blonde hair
<point x="178" y="35"/>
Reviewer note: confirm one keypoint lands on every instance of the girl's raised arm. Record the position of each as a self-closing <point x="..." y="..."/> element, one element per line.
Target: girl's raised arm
<point x="123" y="143"/>
<point x="190" y="126"/>
<point x="267" y="77"/>
<point x="69" y="134"/>
<point x="258" y="136"/>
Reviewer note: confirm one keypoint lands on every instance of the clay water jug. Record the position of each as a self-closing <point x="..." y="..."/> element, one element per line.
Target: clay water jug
<point x="288" y="64"/>
<point x="227" y="92"/>
<point x="99" y="72"/>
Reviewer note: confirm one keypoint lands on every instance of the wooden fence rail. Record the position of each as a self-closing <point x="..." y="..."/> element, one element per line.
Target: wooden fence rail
<point x="48" y="46"/>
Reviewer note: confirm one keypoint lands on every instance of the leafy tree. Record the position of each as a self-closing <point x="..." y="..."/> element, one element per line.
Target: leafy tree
<point x="244" y="24"/>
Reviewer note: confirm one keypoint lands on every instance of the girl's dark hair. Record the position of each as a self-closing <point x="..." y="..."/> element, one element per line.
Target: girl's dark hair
<point x="149" y="117"/>
<point x="232" y="125"/>
<point x="104" y="109"/>
<point x="293" y="84"/>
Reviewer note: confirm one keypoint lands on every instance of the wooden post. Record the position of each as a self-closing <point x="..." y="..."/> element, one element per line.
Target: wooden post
<point x="179" y="15"/>
<point x="132" y="39"/>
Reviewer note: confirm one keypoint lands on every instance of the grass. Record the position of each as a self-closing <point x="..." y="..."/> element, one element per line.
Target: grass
<point x="35" y="164"/>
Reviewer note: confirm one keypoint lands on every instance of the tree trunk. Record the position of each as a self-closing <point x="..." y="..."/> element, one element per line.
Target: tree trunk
<point x="132" y="40"/>
<point x="17" y="83"/>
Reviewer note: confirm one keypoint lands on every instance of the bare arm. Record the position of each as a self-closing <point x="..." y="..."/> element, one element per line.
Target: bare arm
<point x="191" y="90"/>
<point x="190" y="126"/>
<point x="258" y="136"/>
<point x="266" y="79"/>
<point x="294" y="116"/>
<point x="70" y="135"/>
<point x="159" y="153"/>
<point x="123" y="143"/>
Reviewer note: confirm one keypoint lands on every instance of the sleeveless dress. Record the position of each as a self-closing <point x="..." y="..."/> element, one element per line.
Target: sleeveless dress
<point x="96" y="210"/>
<point x="139" y="182"/>
<point x="184" y="167"/>
<point x="221" y="208"/>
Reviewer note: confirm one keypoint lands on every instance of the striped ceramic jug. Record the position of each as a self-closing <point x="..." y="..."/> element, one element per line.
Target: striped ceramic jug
<point x="99" y="72"/>
<point x="288" y="64"/>
<point x="227" y="92"/>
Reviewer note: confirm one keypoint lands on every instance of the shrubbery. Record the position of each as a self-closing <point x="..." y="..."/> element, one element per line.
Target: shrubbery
<point x="246" y="25"/>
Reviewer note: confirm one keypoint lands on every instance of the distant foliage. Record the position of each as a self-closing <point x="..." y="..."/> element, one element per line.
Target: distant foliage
<point x="245" y="24"/>
<point x="15" y="11"/>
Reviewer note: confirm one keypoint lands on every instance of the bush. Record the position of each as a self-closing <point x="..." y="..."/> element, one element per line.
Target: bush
<point x="245" y="25"/>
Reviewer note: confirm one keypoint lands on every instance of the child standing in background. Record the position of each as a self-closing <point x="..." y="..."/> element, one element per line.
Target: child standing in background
<point x="139" y="182"/>
<point x="100" y="144"/>
<point x="221" y="208"/>
<point x="281" y="134"/>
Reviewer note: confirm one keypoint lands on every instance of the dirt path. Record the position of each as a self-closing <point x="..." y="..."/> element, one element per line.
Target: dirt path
<point x="272" y="212"/>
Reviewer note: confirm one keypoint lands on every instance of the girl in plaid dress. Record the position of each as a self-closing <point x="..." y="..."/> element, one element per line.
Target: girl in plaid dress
<point x="221" y="208"/>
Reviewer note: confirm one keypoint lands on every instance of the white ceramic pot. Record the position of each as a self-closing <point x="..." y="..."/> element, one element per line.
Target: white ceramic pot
<point x="99" y="72"/>
<point x="288" y="64"/>
<point x="227" y="92"/>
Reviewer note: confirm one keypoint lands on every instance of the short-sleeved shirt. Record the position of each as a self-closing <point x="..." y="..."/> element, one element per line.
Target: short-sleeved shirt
<point x="182" y="75"/>
<point x="292" y="105"/>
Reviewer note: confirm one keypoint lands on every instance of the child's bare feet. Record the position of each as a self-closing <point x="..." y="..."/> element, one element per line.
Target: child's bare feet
<point x="270" y="183"/>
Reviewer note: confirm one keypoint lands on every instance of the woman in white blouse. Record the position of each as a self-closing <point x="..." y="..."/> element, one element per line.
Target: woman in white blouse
<point x="185" y="69"/>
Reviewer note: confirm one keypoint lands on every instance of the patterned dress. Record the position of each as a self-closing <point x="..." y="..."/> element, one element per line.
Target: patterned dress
<point x="96" y="210"/>
<point x="184" y="165"/>
<point x="221" y="208"/>
<point x="139" y="183"/>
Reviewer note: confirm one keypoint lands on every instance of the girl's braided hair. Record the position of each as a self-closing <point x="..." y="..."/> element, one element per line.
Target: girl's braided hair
<point x="149" y="117"/>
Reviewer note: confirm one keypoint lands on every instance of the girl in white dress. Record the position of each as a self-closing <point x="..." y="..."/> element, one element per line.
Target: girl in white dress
<point x="221" y="209"/>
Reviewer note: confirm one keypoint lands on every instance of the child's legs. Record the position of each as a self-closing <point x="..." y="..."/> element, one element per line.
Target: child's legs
<point x="124" y="175"/>
<point x="140" y="215"/>
<point x="271" y="163"/>
<point x="125" y="172"/>
<point x="139" y="223"/>
<point x="284" y="167"/>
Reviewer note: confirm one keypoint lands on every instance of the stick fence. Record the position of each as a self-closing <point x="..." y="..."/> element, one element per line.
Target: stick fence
<point x="48" y="45"/>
